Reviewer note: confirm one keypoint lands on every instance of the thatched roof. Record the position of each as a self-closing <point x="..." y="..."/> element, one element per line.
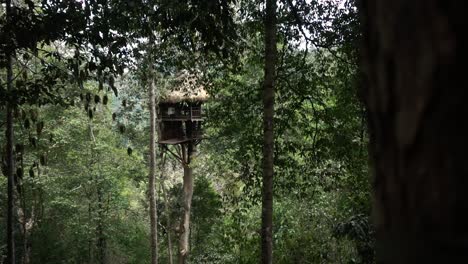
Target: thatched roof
<point x="186" y="88"/>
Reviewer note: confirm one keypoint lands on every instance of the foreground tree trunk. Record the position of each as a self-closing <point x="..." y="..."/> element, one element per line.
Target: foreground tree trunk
<point x="188" y="151"/>
<point x="10" y="155"/>
<point x="416" y="95"/>
<point x="268" y="134"/>
<point x="152" y="175"/>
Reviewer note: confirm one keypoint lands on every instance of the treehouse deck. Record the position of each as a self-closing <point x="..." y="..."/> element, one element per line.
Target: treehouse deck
<point x="173" y="141"/>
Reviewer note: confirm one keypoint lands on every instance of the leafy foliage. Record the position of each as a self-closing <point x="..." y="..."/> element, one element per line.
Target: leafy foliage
<point x="81" y="123"/>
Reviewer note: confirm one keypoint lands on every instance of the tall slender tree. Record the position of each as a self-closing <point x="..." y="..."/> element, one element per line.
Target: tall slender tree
<point x="416" y="92"/>
<point x="152" y="171"/>
<point x="268" y="133"/>
<point x="101" y="239"/>
<point x="166" y="202"/>
<point x="152" y="161"/>
<point x="9" y="147"/>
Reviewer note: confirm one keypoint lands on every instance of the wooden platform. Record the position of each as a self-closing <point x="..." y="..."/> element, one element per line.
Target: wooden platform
<point x="173" y="141"/>
<point x="180" y="119"/>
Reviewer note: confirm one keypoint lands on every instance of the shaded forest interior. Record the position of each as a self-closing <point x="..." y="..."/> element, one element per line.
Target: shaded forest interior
<point x="232" y="131"/>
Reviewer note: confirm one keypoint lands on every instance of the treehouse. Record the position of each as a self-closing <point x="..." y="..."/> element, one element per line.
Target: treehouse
<point x="180" y="112"/>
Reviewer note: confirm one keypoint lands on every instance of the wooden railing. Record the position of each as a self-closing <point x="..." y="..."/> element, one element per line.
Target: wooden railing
<point x="191" y="113"/>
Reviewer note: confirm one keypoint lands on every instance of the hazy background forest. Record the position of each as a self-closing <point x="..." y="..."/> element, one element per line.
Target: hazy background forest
<point x="75" y="78"/>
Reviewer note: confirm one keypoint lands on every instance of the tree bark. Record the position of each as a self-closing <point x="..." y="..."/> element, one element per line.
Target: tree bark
<point x="188" y="193"/>
<point x="101" y="243"/>
<point x="27" y="225"/>
<point x="268" y="133"/>
<point x="168" y="227"/>
<point x="10" y="170"/>
<point x="101" y="237"/>
<point x="152" y="172"/>
<point x="168" y="211"/>
<point x="90" y="240"/>
<point x="11" y="259"/>
<point x="416" y="96"/>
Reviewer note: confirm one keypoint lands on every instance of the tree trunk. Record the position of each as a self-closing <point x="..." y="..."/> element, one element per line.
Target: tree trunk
<point x="188" y="193"/>
<point x="268" y="133"/>
<point x="416" y="95"/>
<point x="101" y="237"/>
<point x="27" y="225"/>
<point x="151" y="180"/>
<point x="10" y="172"/>
<point x="168" y="211"/>
<point x="101" y="243"/>
<point x="90" y="240"/>
<point x="168" y="220"/>
<point x="10" y="154"/>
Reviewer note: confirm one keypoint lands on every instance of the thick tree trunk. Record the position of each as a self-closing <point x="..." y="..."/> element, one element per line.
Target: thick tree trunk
<point x="188" y="193"/>
<point x="416" y="94"/>
<point x="268" y="133"/>
<point x="10" y="155"/>
<point x="151" y="176"/>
